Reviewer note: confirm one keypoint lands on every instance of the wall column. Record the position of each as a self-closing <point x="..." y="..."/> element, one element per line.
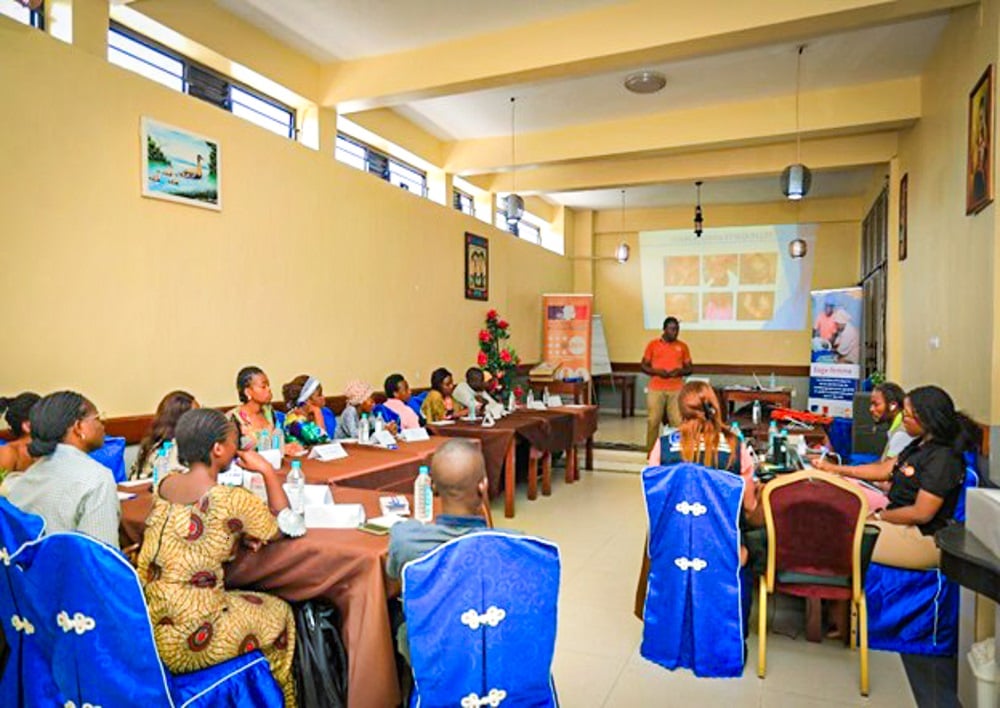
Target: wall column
<point x="894" y="285"/>
<point x="583" y="250"/>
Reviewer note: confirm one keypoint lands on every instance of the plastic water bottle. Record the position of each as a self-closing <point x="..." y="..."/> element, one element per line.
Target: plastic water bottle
<point x="263" y="441"/>
<point x="737" y="431"/>
<point x="161" y="465"/>
<point x="773" y="384"/>
<point x="296" y="489"/>
<point x="363" y="429"/>
<point x="772" y="434"/>
<point x="278" y="439"/>
<point x="511" y="402"/>
<point x="423" y="496"/>
<point x="531" y="397"/>
<point x="756" y="412"/>
<point x="545" y="395"/>
<point x="379" y="423"/>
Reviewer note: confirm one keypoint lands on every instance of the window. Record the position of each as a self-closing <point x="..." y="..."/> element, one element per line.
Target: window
<point x="463" y="202"/>
<point x="142" y="55"/>
<point x="16" y="11"/>
<point x="874" y="256"/>
<point x="362" y="157"/>
<point x="525" y="228"/>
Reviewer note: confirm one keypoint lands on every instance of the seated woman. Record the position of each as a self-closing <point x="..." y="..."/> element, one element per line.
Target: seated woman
<point x="360" y="401"/>
<point x="926" y="479"/>
<point x="397" y="393"/>
<point x="304" y="402"/>
<point x="66" y="487"/>
<point x="438" y="405"/>
<point x="255" y="415"/>
<point x="194" y="527"/>
<point x="171" y="408"/>
<point x="14" y="455"/>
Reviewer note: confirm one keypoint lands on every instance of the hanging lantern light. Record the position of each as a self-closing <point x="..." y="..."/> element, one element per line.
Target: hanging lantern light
<point x="796" y="179"/>
<point x="798" y="248"/>
<point x="699" y="217"/>
<point x="514" y="206"/>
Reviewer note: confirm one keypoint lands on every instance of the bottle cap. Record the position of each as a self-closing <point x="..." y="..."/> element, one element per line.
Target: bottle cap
<point x="296" y="464"/>
<point x="424" y="469"/>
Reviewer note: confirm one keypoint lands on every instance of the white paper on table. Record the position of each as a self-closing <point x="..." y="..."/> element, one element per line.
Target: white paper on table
<point x="415" y="435"/>
<point x="554" y="401"/>
<point x="334" y="516"/>
<point x="536" y="406"/>
<point x="440" y="422"/>
<point x="313" y="494"/>
<point x="488" y="421"/>
<point x="135" y="482"/>
<point x="387" y="521"/>
<point x="233" y="477"/>
<point x="273" y="457"/>
<point x="495" y="410"/>
<point x="327" y="452"/>
<point x="383" y="438"/>
<point x="397" y="505"/>
<point x="122" y="496"/>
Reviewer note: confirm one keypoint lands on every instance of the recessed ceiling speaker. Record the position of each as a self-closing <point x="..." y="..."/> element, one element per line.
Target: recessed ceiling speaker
<point x="795" y="181"/>
<point x="645" y="81"/>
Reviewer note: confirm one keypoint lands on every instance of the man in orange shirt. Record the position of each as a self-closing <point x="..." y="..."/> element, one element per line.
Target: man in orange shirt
<point x="667" y="361"/>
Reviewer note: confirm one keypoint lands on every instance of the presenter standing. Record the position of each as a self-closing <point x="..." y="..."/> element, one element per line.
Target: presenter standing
<point x="667" y="361"/>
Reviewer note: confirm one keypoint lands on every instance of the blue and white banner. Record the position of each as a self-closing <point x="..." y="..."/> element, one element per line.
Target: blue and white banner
<point x="836" y="351"/>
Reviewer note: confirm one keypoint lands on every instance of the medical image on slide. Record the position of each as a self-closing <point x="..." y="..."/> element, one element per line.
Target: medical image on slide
<point x="758" y="268"/>
<point x="717" y="306"/>
<point x="681" y="270"/>
<point x="683" y="306"/>
<point x="719" y="271"/>
<point x="755" y="305"/>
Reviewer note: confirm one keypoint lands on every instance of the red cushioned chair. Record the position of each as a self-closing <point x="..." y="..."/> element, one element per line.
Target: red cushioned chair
<point x="815" y="526"/>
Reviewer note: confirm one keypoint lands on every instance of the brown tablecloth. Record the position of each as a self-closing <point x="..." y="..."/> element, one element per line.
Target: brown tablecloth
<point x="584" y="421"/>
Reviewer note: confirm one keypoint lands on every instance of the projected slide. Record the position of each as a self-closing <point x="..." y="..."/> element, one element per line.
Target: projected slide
<point x="738" y="278"/>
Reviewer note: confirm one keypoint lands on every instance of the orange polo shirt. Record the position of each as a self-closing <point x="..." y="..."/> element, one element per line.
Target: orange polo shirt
<point x="668" y="356"/>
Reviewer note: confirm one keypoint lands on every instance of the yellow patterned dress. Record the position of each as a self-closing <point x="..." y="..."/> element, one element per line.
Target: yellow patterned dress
<point x="196" y="622"/>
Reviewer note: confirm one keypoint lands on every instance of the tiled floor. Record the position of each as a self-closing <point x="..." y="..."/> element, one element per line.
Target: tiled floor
<point x="599" y="524"/>
<point x="612" y="428"/>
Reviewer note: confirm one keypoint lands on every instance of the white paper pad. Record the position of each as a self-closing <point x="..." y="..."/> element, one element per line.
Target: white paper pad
<point x="135" y="482"/>
<point x="415" y="435"/>
<point x="334" y="516"/>
<point x="122" y="496"/>
<point x="441" y="422"/>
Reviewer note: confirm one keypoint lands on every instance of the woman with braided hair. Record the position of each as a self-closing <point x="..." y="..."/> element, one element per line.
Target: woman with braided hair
<point x="14" y="455"/>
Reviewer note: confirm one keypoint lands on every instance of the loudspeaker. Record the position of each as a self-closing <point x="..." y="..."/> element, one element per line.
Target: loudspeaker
<point x="867" y="437"/>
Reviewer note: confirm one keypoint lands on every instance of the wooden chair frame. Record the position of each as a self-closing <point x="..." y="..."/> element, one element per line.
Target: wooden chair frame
<point x="859" y="611"/>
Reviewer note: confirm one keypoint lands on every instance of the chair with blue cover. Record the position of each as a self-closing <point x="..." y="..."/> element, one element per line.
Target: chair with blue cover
<point x="330" y="421"/>
<point x="481" y="617"/>
<point x="697" y="595"/>
<point x="915" y="611"/>
<point x="388" y="415"/>
<point x="16" y="529"/>
<point x="102" y="653"/>
<point x="112" y="455"/>
<point x="416" y="401"/>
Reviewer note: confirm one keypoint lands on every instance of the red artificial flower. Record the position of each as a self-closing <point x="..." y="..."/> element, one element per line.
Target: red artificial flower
<point x="491" y="315"/>
<point x="484" y="336"/>
<point x="518" y="391"/>
<point x="500" y="374"/>
<point x="481" y="359"/>
<point x="505" y="356"/>
<point x="503" y="324"/>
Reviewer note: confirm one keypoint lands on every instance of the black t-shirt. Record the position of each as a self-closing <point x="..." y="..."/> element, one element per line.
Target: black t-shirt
<point x="933" y="467"/>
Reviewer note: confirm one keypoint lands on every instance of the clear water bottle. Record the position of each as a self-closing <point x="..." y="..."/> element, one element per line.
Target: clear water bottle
<point x="756" y="412"/>
<point x="545" y="395"/>
<point x="161" y="464"/>
<point x="423" y="496"/>
<point x="363" y="429"/>
<point x="772" y="435"/>
<point x="296" y="488"/>
<point x="511" y="402"/>
<point x="379" y="423"/>
<point x="263" y="440"/>
<point x="531" y="397"/>
<point x="773" y="384"/>
<point x="278" y="439"/>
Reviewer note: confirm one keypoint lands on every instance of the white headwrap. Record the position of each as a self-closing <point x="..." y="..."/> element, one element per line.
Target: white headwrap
<point x="308" y="389"/>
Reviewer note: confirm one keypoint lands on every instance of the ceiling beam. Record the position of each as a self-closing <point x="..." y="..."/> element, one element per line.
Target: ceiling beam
<point x="611" y="38"/>
<point x="748" y="161"/>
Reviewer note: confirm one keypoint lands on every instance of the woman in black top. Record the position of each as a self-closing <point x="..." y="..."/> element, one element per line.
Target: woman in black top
<point x="926" y="479"/>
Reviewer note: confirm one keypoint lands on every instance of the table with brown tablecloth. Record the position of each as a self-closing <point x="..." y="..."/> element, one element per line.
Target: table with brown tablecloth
<point x="371" y="467"/>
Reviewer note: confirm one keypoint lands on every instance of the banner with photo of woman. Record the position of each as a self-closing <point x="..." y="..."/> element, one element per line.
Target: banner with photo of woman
<point x="835" y="365"/>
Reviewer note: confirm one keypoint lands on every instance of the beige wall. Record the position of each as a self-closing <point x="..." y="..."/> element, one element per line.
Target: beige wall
<point x="949" y="281"/>
<point x="310" y="267"/>
<point x="618" y="287"/>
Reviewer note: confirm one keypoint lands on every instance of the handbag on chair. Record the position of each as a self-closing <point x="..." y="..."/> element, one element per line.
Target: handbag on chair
<point x="320" y="657"/>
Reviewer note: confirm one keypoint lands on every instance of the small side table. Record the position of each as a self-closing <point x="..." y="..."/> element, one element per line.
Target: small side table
<point x="626" y="383"/>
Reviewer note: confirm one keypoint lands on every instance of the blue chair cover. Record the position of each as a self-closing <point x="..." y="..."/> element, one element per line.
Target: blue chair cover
<point x="840" y="432"/>
<point x="112" y="456"/>
<point x="93" y="634"/>
<point x="330" y="421"/>
<point x="417" y="400"/>
<point x="16" y="529"/>
<point x="697" y="597"/>
<point x="279" y="419"/>
<point x="481" y="616"/>
<point x="915" y="611"/>
<point x="388" y="415"/>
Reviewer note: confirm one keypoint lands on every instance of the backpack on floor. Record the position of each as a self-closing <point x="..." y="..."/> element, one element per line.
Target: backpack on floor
<point x="320" y="657"/>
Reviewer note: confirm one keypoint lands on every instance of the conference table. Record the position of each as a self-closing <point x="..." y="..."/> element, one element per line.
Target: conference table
<point x="557" y="429"/>
<point x="342" y="566"/>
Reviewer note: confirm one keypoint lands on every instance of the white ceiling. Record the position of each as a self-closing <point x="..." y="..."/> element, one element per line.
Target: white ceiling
<point x="862" y="56"/>
<point x="350" y="29"/>
<point x="832" y="183"/>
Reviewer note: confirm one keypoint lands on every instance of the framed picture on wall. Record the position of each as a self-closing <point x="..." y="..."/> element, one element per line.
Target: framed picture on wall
<point x="979" y="171"/>
<point x="904" y="188"/>
<point x="477" y="267"/>
<point x="180" y="166"/>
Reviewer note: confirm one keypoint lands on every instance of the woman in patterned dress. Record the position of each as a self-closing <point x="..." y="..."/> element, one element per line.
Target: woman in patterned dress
<point x="195" y="526"/>
<point x="255" y="414"/>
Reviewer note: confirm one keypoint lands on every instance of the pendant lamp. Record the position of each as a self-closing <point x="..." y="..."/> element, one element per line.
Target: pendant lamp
<point x="514" y="206"/>
<point x="796" y="179"/>
<point x="622" y="252"/>
<point x="699" y="218"/>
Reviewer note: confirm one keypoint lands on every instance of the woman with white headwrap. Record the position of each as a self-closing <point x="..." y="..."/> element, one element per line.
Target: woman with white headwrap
<point x="304" y="421"/>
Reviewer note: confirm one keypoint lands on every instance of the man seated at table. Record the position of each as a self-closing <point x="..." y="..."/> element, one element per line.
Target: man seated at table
<point x="458" y="476"/>
<point x="471" y="392"/>
<point x="397" y="393"/>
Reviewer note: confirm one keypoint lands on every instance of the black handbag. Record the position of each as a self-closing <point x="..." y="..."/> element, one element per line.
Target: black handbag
<point x="320" y="657"/>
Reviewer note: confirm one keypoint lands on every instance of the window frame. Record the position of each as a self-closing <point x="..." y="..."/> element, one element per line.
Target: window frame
<point x="36" y="17"/>
<point x="387" y="174"/>
<point x="457" y="198"/>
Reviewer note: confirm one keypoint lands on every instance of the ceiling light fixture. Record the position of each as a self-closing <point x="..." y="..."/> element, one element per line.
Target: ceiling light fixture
<point x="514" y="207"/>
<point x="797" y="247"/>
<point x="622" y="251"/>
<point x="645" y="82"/>
<point x="796" y="179"/>
<point x="699" y="217"/>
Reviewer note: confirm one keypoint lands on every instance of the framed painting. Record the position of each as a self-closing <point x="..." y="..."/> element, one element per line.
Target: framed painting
<point x="477" y="267"/>
<point x="180" y="166"/>
<point x="904" y="188"/>
<point x="979" y="171"/>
